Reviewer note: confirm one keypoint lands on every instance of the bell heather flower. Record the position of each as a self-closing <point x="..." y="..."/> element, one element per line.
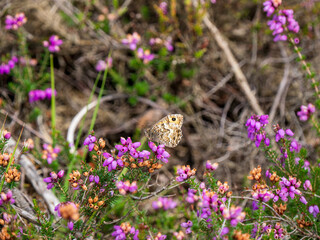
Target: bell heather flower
<point x="54" y="178"/>
<point x="6" y="198"/>
<point x="15" y="22"/>
<point x="270" y="6"/>
<point x="132" y="40"/>
<point x="90" y="140"/>
<point x="145" y="55"/>
<point x="102" y="65"/>
<point x="164" y="8"/>
<point x="314" y="210"/>
<point x="128" y="146"/>
<point x="209" y="200"/>
<point x="112" y="162"/>
<point x="68" y="211"/>
<point x="185" y="173"/>
<point x="303" y="200"/>
<point x="305" y="112"/>
<point x="94" y="178"/>
<point x="5" y="68"/>
<point x="262" y="195"/>
<point x="288" y="188"/>
<point x="255" y="127"/>
<point x="37" y="94"/>
<point x="159" y="236"/>
<point x="159" y="151"/>
<point x="121" y="232"/>
<point x="164" y="203"/>
<point x="234" y="214"/>
<point x="6" y="134"/>
<point x="188" y="226"/>
<point x="49" y="153"/>
<point x="53" y="43"/>
<point x="281" y="22"/>
<point x="192" y="197"/>
<point x="280" y="133"/>
<point x="126" y="186"/>
<point x="211" y="167"/>
<point x="307" y="185"/>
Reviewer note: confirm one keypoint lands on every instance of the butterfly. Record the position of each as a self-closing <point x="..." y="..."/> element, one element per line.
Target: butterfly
<point x="166" y="131"/>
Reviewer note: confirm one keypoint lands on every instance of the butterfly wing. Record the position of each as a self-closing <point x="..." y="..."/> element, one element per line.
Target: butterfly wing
<point x="167" y="130"/>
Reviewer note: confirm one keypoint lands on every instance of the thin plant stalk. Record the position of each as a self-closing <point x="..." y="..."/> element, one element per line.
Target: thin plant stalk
<point x="72" y="162"/>
<point x="53" y="103"/>
<point x="95" y="113"/>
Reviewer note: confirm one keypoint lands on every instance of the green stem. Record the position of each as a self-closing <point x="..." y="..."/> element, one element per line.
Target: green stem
<point x="73" y="159"/>
<point x="53" y="103"/>
<point x="95" y="113"/>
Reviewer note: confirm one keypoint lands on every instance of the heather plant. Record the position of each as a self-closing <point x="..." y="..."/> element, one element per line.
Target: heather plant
<point x="112" y="190"/>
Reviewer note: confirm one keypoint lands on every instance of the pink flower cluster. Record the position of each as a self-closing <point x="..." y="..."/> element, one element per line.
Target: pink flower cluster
<point x="102" y="65"/>
<point x="145" y="55"/>
<point x="53" y="44"/>
<point x="185" y="172"/>
<point x="37" y="94"/>
<point x="126" y="186"/>
<point x="305" y="112"/>
<point x="211" y="167"/>
<point x="132" y="40"/>
<point x="49" y="153"/>
<point x="164" y="203"/>
<point x="54" y="178"/>
<point x="15" y="22"/>
<point x="282" y="22"/>
<point x="5" y="68"/>
<point x="255" y="127"/>
<point x="6" y="198"/>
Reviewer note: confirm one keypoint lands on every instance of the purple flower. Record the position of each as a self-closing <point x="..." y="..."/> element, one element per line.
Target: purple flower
<point x="6" y="198"/>
<point x="255" y="127"/>
<point x="126" y="186"/>
<point x="15" y="22"/>
<point x="164" y="7"/>
<point x="49" y="153"/>
<point x="5" y="68"/>
<point x="234" y="214"/>
<point x="121" y="232"/>
<point x="127" y="145"/>
<point x="307" y="185"/>
<point x="282" y="20"/>
<point x="187" y="225"/>
<point x="112" y="162"/>
<point x="132" y="40"/>
<point x="159" y="151"/>
<point x="262" y="195"/>
<point x="102" y="65"/>
<point x="90" y="140"/>
<point x="53" y="43"/>
<point x="54" y="178"/>
<point x="164" y="203"/>
<point x="192" y="197"/>
<point x="211" y="167"/>
<point x="37" y="94"/>
<point x="145" y="55"/>
<point x="314" y="210"/>
<point x="305" y="112"/>
<point x="303" y="200"/>
<point x="185" y="173"/>
<point x="224" y="231"/>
